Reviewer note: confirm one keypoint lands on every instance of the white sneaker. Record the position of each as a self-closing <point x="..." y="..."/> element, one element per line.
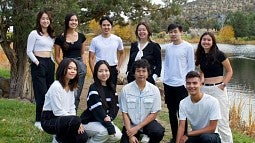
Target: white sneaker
<point x="38" y="125"/>
<point x="54" y="139"/>
<point x="145" y="139"/>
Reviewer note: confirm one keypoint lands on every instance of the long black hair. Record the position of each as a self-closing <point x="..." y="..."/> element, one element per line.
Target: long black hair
<point x="109" y="84"/>
<point x="200" y="52"/>
<point x="62" y="71"/>
<point x="66" y="27"/>
<point x="38" y="26"/>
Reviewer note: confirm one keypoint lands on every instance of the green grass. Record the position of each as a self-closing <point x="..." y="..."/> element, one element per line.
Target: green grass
<point x="17" y="124"/>
<point x="5" y="73"/>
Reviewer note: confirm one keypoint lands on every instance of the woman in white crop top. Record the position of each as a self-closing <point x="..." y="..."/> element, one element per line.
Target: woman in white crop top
<point x="39" y="50"/>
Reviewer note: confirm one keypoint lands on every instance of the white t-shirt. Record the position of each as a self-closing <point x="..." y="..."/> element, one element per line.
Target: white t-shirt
<point x="179" y="60"/>
<point x="106" y="48"/>
<point x="36" y="42"/>
<point x="60" y="101"/>
<point x="199" y="114"/>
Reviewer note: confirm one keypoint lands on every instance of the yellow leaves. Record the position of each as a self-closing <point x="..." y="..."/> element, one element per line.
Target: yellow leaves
<point x="227" y="34"/>
<point x="94" y="27"/>
<point x="127" y="33"/>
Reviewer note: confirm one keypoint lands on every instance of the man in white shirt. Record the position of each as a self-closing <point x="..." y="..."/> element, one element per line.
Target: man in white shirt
<point x="201" y="110"/>
<point x="107" y="46"/>
<point x="140" y="103"/>
<point x="179" y="60"/>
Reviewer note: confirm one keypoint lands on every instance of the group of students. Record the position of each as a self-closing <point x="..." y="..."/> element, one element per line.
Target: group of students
<point x="140" y="101"/>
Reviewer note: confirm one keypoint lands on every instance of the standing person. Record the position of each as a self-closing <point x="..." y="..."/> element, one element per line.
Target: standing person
<point x="72" y="44"/>
<point x="107" y="46"/>
<point x="201" y="110"/>
<point x="140" y="102"/>
<point x="58" y="116"/>
<point x="144" y="48"/>
<point x="39" y="49"/>
<point x="179" y="60"/>
<point x="212" y="63"/>
<point x="102" y="107"/>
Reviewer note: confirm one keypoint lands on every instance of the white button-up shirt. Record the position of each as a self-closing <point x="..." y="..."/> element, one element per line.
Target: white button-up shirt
<point x="139" y="104"/>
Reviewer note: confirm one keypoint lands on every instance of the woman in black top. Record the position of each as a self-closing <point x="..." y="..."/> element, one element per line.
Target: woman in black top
<point x="72" y="44"/>
<point x="213" y="63"/>
<point x="144" y="48"/>
<point x="102" y="107"/>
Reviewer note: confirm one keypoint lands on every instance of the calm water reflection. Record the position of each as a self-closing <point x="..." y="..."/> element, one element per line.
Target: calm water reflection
<point x="242" y="84"/>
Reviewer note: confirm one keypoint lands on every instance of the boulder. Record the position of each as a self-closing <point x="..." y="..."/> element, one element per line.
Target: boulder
<point x="5" y="87"/>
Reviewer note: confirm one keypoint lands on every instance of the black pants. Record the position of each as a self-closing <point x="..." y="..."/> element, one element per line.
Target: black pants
<point x="205" y="138"/>
<point x="64" y="127"/>
<point x="153" y="130"/>
<point x="114" y="73"/>
<point x="42" y="78"/>
<point x="173" y="96"/>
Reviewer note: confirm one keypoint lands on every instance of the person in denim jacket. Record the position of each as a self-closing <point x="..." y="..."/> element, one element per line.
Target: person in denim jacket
<point x="140" y="102"/>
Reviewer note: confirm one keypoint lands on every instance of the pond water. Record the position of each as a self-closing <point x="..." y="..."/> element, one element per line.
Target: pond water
<point x="242" y="85"/>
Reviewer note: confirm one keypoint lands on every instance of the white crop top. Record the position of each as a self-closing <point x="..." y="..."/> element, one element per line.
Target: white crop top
<point x="36" y="42"/>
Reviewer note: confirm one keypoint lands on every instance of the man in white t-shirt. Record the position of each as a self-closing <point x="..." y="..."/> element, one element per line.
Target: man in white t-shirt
<point x="107" y="46"/>
<point x="201" y="110"/>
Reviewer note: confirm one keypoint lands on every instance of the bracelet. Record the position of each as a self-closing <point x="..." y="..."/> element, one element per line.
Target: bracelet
<point x="224" y="84"/>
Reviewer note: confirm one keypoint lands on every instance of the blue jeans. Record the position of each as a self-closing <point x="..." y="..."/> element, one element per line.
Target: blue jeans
<point x="205" y="138"/>
<point x="82" y="73"/>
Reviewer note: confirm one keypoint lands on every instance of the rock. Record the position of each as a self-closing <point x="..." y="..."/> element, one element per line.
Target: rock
<point x="122" y="79"/>
<point x="1" y="92"/>
<point x="160" y="86"/>
<point x="5" y="87"/>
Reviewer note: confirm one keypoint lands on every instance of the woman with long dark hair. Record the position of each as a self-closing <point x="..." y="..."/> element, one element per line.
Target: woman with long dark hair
<point x="213" y="63"/>
<point x="102" y="107"/>
<point x="59" y="115"/>
<point x="39" y="50"/>
<point x="72" y="44"/>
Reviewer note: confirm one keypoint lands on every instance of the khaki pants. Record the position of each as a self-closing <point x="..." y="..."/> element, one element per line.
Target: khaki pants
<point x="223" y="124"/>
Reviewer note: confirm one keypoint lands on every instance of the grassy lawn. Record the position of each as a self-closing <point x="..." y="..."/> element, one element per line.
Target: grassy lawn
<point x="17" y="124"/>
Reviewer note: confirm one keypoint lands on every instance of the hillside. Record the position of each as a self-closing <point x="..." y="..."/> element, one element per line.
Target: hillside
<point x="215" y="8"/>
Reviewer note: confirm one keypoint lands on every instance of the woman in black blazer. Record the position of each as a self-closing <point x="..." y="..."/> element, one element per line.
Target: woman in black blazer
<point x="144" y="48"/>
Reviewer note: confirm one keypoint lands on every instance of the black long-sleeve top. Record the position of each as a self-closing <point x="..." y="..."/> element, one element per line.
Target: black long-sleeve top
<point x="152" y="53"/>
<point x="95" y="111"/>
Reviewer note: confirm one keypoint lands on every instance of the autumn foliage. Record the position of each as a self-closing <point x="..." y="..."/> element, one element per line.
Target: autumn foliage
<point x="227" y="34"/>
<point x="127" y="33"/>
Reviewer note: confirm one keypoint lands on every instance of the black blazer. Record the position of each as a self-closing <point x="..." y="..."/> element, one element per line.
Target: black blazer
<point x="152" y="53"/>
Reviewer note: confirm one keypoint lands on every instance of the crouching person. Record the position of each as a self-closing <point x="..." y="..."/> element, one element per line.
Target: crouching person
<point x="102" y="107"/>
<point x="140" y="102"/>
<point x="201" y="110"/>
<point x="58" y="116"/>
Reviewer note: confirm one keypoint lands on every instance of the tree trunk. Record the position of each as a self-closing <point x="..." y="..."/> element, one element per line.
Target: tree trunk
<point x="20" y="84"/>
